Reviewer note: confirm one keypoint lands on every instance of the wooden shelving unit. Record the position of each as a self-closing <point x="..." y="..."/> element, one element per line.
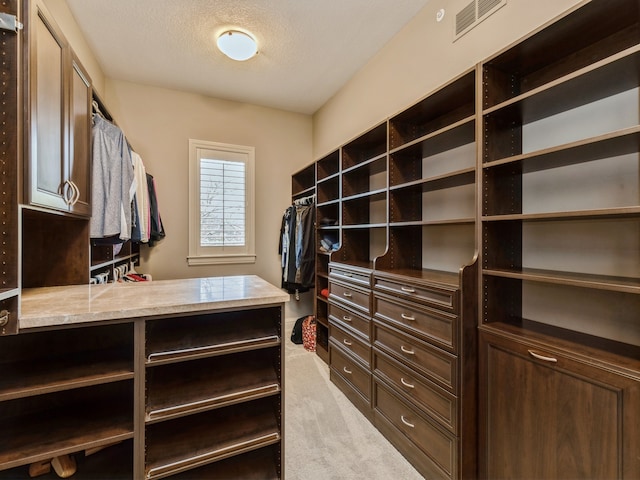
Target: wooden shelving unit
<point x="560" y="270"/>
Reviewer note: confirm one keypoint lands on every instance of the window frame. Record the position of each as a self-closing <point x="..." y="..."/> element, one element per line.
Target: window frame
<point x="214" y="255"/>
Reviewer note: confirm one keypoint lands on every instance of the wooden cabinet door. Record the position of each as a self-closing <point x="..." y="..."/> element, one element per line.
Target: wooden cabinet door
<point x="59" y="174"/>
<point x="80" y="139"/>
<point x="554" y="416"/>
<point x="48" y="139"/>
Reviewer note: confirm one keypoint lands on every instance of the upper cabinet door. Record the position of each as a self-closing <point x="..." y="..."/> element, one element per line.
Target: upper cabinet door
<point x="58" y="166"/>
<point x="80" y="139"/>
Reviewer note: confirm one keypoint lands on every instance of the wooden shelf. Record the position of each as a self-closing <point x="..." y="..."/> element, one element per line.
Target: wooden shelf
<point x="187" y="388"/>
<point x="603" y="213"/>
<point x="71" y="422"/>
<point x="608" y="145"/>
<point x="190" y="442"/>
<point x="598" y="282"/>
<point x="203" y="336"/>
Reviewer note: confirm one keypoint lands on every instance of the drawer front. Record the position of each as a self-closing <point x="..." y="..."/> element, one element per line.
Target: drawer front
<point x="437" y="402"/>
<point x="443" y="298"/>
<point x="350" y="343"/>
<point x="350" y="319"/>
<point x="348" y="275"/>
<point x="437" y="327"/>
<point x="435" y="364"/>
<point x="358" y="298"/>
<point x="350" y="371"/>
<point x="438" y="445"/>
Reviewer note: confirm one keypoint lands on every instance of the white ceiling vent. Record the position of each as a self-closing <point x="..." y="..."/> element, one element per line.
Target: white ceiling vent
<point x="474" y="13"/>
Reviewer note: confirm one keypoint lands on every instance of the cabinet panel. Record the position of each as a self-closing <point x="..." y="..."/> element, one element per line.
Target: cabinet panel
<point x="355" y="297"/>
<point x="432" y="362"/>
<point x="567" y="418"/>
<point x="439" y="447"/>
<point x="350" y="343"/>
<point x="80" y="141"/>
<point x="443" y="297"/>
<point x="350" y="320"/>
<point x="353" y="373"/>
<point x="437" y="327"/>
<point x="48" y="141"/>
<point x="427" y="396"/>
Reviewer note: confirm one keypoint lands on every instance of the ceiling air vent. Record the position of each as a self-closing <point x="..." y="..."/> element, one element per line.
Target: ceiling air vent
<point x="474" y="13"/>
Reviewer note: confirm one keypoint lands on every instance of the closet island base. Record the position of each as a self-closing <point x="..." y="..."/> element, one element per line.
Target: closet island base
<point x="176" y="378"/>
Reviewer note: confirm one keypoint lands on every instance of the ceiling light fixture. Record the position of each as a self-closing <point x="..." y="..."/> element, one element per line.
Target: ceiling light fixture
<point x="237" y="45"/>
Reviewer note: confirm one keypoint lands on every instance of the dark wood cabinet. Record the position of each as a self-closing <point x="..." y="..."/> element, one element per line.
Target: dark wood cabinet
<point x="560" y="350"/>
<point x="555" y="413"/>
<point x="58" y="174"/>
<point x="182" y="395"/>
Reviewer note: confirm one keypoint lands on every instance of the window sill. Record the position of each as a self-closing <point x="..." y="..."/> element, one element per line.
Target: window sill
<point x="220" y="259"/>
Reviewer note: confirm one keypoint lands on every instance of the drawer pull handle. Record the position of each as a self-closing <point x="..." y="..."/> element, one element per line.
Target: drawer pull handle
<point x="406" y="350"/>
<point x="406" y="384"/>
<point x="347" y="342"/>
<point x="348" y="275"/>
<point x="346" y="319"/>
<point x="408" y="289"/>
<point x="347" y="294"/>
<point x="544" y="358"/>
<point x="408" y="424"/>
<point x="346" y="370"/>
<point x="407" y="317"/>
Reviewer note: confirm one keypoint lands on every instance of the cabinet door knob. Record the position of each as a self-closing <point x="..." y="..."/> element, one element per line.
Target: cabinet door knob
<point x="408" y="289"/>
<point x="408" y="424"/>
<point x="544" y="358"/>
<point x="407" y="317"/>
<point x="4" y="317"/>
<point x="406" y="350"/>
<point x="407" y="384"/>
<point x="76" y="193"/>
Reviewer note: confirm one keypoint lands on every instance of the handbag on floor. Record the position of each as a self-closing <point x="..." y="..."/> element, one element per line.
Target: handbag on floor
<point x="309" y="333"/>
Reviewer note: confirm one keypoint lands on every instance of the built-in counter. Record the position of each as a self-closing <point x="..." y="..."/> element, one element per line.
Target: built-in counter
<point x="51" y="306"/>
<point x="148" y="380"/>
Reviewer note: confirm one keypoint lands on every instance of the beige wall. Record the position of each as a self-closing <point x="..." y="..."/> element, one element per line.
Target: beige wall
<point x="159" y="123"/>
<point x="66" y="21"/>
<point x="420" y="59"/>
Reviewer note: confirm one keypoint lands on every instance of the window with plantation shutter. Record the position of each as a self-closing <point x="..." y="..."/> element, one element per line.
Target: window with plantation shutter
<point x="221" y="203"/>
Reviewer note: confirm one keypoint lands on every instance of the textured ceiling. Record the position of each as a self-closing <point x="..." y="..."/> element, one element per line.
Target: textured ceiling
<point x="308" y="48"/>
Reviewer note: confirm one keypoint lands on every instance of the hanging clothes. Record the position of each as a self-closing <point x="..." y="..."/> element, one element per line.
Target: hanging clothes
<point x="297" y="247"/>
<point x="142" y="208"/>
<point x="112" y="182"/>
<point x="156" y="228"/>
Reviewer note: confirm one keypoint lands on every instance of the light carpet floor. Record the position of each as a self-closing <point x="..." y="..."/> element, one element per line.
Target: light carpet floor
<point x="326" y="437"/>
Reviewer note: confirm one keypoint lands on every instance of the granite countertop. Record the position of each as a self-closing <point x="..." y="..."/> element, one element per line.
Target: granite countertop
<point x="74" y="304"/>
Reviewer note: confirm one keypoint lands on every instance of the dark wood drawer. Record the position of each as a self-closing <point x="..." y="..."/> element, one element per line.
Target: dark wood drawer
<point x="435" y="364"/>
<point x="442" y="297"/>
<point x="351" y="320"/>
<point x="435" y="401"/>
<point x="434" y="326"/>
<point x="350" y="343"/>
<point x="352" y="372"/>
<point x="439" y="446"/>
<point x="350" y="275"/>
<point x="355" y="297"/>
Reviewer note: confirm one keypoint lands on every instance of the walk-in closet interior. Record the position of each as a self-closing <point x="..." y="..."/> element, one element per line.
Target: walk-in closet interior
<point x="460" y="216"/>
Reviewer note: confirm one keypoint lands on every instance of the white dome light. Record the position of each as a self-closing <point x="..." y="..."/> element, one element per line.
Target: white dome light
<point x="237" y="45"/>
